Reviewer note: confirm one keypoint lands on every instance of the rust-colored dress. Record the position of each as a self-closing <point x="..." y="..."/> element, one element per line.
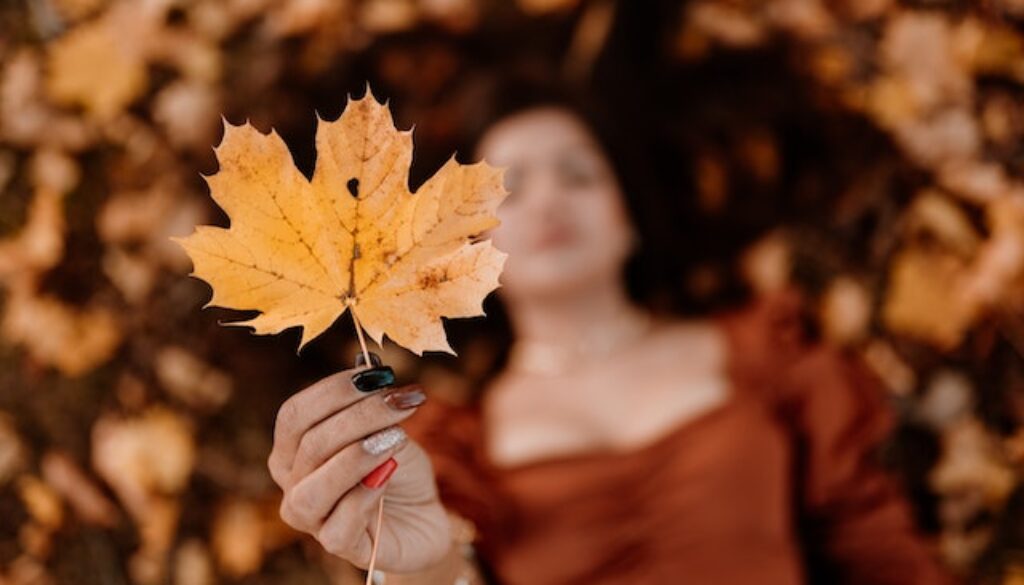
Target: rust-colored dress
<point x="775" y="486"/>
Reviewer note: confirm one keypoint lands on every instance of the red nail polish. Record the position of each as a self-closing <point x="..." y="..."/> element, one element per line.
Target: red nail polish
<point x="380" y="474"/>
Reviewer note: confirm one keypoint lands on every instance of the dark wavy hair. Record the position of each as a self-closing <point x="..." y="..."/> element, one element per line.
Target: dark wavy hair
<point x="656" y="274"/>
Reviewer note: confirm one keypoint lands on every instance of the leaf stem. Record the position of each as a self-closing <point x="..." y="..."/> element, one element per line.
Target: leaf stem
<point x="376" y="541"/>
<point x="380" y="503"/>
<point x="362" y="341"/>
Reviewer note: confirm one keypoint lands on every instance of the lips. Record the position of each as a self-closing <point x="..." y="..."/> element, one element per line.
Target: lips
<point x="553" y="238"/>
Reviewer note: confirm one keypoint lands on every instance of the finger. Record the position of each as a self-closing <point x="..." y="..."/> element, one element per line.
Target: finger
<point x="354" y="423"/>
<point x="346" y="531"/>
<point x="320" y="400"/>
<point x="309" y="501"/>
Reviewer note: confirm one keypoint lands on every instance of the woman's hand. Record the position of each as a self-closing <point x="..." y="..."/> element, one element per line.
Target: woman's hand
<point x="337" y="450"/>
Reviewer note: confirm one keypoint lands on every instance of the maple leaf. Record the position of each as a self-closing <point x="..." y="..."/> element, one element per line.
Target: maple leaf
<point x="354" y="236"/>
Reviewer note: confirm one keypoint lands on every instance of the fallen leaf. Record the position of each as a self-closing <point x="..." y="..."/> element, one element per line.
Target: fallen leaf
<point x="302" y="252"/>
<point x="81" y="493"/>
<point x="95" y="67"/>
<point x="40" y="244"/>
<point x="41" y="501"/>
<point x="77" y="339"/>
<point x="923" y="284"/>
<point x="147" y="460"/>
<point x="972" y="459"/>
<point x="940" y="217"/>
<point x="153" y="453"/>
<point x="767" y="263"/>
<point x="845" y="311"/>
<point x="193" y="565"/>
<point x="13" y="452"/>
<point x="192" y="380"/>
<point x="244" y="531"/>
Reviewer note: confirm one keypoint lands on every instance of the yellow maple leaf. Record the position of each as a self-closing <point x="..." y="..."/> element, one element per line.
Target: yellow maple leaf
<point x="303" y="251"/>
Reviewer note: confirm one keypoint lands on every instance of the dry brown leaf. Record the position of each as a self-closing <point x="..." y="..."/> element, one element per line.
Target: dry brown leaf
<point x="13" y="453"/>
<point x="728" y="25"/>
<point x="79" y="490"/>
<point x="542" y="7"/>
<point x="134" y="275"/>
<point x="27" y="570"/>
<point x="845" y="311"/>
<point x="188" y="111"/>
<point x="1000" y="261"/>
<point x="243" y="531"/>
<point x="193" y="565"/>
<point x="972" y="459"/>
<point x="237" y="537"/>
<point x="897" y="375"/>
<point x="147" y="460"/>
<point x="157" y="529"/>
<point x="975" y="181"/>
<point x="53" y="170"/>
<point x="766" y="265"/>
<point x="940" y="217"/>
<point x="77" y="339"/>
<point x="41" y="501"/>
<point x="150" y="454"/>
<point x="26" y="118"/>
<point x="387" y="16"/>
<point x="96" y="67"/>
<point x="72" y="10"/>
<point x="924" y="284"/>
<point x="303" y="252"/>
<point x="917" y="46"/>
<point x="192" y="380"/>
<point x="40" y="243"/>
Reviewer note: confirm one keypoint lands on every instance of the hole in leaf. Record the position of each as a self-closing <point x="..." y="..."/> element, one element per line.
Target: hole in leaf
<point x="353" y="187"/>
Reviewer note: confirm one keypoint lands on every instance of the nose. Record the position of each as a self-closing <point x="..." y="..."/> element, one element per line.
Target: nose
<point x="541" y="197"/>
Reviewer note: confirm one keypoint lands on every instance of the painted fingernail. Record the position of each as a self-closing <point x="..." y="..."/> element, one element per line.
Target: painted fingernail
<point x="361" y="359"/>
<point x="405" y="397"/>
<point x="383" y="440"/>
<point x="380" y="474"/>
<point x="374" y="378"/>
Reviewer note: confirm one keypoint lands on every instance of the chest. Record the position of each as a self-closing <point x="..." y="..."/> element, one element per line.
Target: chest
<point x="613" y="409"/>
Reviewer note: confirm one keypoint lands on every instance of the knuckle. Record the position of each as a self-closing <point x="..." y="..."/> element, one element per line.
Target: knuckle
<point x="272" y="466"/>
<point x="310" y="446"/>
<point x="342" y="536"/>
<point x="285" y="417"/>
<point x="334" y="540"/>
<point x="297" y="506"/>
<point x="286" y="513"/>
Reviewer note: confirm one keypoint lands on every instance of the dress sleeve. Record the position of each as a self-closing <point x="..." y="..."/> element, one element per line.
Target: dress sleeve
<point x="857" y="526"/>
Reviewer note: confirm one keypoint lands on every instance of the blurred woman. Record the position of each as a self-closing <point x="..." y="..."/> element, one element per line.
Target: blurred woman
<point x="616" y="441"/>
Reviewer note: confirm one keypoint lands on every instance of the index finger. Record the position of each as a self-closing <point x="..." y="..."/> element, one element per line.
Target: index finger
<point x="322" y="399"/>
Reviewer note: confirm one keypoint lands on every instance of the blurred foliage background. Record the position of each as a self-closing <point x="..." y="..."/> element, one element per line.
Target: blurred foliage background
<point x="868" y="152"/>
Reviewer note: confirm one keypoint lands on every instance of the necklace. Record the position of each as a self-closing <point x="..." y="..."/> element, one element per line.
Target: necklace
<point x="549" y="359"/>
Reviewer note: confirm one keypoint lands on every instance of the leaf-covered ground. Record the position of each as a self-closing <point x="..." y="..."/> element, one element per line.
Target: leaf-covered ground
<point x="869" y="152"/>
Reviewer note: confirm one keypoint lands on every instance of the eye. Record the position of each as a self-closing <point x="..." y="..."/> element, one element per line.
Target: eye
<point x="513" y="179"/>
<point x="577" y="172"/>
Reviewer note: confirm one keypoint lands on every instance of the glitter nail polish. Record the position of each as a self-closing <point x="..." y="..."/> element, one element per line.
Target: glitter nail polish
<point x="383" y="440"/>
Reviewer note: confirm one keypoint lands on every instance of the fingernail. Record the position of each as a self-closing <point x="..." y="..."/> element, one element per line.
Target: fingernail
<point x="405" y="398"/>
<point x="380" y="474"/>
<point x="381" y="441"/>
<point x="374" y="378"/>
<point x="361" y="359"/>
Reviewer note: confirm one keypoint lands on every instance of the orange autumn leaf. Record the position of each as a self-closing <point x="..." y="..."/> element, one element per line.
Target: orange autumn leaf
<point x="303" y="251"/>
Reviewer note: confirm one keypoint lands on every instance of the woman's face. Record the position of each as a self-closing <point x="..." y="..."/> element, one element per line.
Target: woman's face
<point x="564" y="224"/>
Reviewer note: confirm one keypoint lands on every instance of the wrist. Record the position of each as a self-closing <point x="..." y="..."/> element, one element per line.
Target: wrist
<point x="457" y="564"/>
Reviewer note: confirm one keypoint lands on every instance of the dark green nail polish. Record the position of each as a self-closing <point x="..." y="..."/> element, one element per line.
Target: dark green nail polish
<point x="374" y="378"/>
